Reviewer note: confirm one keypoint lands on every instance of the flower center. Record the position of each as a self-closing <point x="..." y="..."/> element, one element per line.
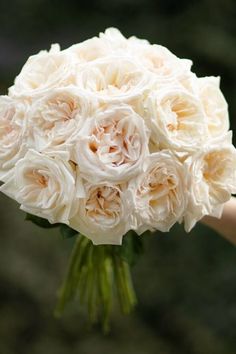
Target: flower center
<point x="103" y="202"/>
<point x="38" y="178"/>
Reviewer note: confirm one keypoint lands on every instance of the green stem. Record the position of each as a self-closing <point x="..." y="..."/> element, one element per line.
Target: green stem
<point x="93" y="273"/>
<point x="124" y="285"/>
<point x="67" y="291"/>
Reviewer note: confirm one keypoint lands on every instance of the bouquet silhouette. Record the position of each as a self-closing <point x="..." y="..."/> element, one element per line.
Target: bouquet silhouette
<point x="107" y="140"/>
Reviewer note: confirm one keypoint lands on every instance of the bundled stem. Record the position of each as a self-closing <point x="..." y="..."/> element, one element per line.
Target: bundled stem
<point x="95" y="274"/>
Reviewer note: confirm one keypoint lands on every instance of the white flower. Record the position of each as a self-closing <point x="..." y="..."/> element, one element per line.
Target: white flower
<point x="89" y="50"/>
<point x="13" y="123"/>
<point x="113" y="39"/>
<point x="112" y="146"/>
<point x="215" y="106"/>
<point x="212" y="179"/>
<point x="159" y="194"/>
<point x="45" y="70"/>
<point x="159" y="60"/>
<point x="56" y="119"/>
<point x="103" y="215"/>
<point x="44" y="186"/>
<point x="114" y="79"/>
<point x="176" y="119"/>
<point x="166" y="67"/>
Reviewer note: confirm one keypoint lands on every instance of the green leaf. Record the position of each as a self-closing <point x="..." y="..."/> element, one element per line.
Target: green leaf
<point x="131" y="248"/>
<point x="67" y="232"/>
<point x="40" y="221"/>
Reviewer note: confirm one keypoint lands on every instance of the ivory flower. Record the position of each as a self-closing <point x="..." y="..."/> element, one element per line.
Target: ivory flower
<point x="159" y="194"/>
<point x="44" y="186"/>
<point x="112" y="145"/>
<point x="103" y="215"/>
<point x="13" y="123"/>
<point x="215" y="106"/>
<point x="56" y="119"/>
<point x="114" y="79"/>
<point x="176" y="119"/>
<point x="45" y="70"/>
<point x="212" y="179"/>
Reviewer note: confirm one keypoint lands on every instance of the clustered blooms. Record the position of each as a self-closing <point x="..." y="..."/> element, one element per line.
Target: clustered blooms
<point x="114" y="134"/>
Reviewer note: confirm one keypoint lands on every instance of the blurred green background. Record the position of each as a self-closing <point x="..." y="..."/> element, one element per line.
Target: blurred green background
<point x="186" y="284"/>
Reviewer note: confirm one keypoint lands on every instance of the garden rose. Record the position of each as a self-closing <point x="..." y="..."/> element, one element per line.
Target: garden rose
<point x="114" y="79"/>
<point x="214" y="104"/>
<point x="45" y="70"/>
<point x="159" y="193"/>
<point x="103" y="215"/>
<point x="13" y="122"/>
<point x="56" y="119"/>
<point x="112" y="145"/>
<point x="212" y="179"/>
<point x="176" y="119"/>
<point x="44" y="186"/>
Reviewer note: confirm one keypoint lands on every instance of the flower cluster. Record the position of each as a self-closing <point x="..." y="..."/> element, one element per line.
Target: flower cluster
<point x="115" y="134"/>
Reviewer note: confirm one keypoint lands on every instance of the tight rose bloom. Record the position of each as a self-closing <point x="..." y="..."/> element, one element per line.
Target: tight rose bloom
<point x="103" y="215"/>
<point x="112" y="146"/>
<point x="44" y="186"/>
<point x="176" y="119"/>
<point x="13" y="123"/>
<point x="212" y="180"/>
<point x="43" y="71"/>
<point x="214" y="104"/>
<point x="159" y="194"/>
<point x="55" y="120"/>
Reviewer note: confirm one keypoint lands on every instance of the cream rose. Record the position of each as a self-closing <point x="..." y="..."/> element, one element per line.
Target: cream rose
<point x="176" y="119"/>
<point x="155" y="58"/>
<point x="212" y="179"/>
<point x="44" y="186"/>
<point x="159" y="194"/>
<point x="103" y="215"/>
<point x="168" y="68"/>
<point x="56" y="118"/>
<point x="13" y="123"/>
<point x="113" y="39"/>
<point x="89" y="50"/>
<point x="112" y="146"/>
<point x="114" y="79"/>
<point x="214" y="104"/>
<point x="45" y="70"/>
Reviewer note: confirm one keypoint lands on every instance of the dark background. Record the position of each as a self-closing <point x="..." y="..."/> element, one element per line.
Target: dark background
<point x="186" y="284"/>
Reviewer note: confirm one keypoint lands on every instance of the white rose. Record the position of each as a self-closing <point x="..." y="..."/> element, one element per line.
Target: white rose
<point x="114" y="39"/>
<point x="159" y="194"/>
<point x="112" y="145"/>
<point x="45" y="70"/>
<point x="155" y="58"/>
<point x="114" y="79"/>
<point x="215" y="106"/>
<point x="56" y="119"/>
<point x="160" y="61"/>
<point x="176" y="119"/>
<point x="44" y="186"/>
<point x="212" y="179"/>
<point x="13" y="123"/>
<point x="89" y="50"/>
<point x="103" y="215"/>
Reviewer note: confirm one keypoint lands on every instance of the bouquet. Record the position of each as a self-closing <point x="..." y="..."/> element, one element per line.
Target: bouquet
<point x="107" y="140"/>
